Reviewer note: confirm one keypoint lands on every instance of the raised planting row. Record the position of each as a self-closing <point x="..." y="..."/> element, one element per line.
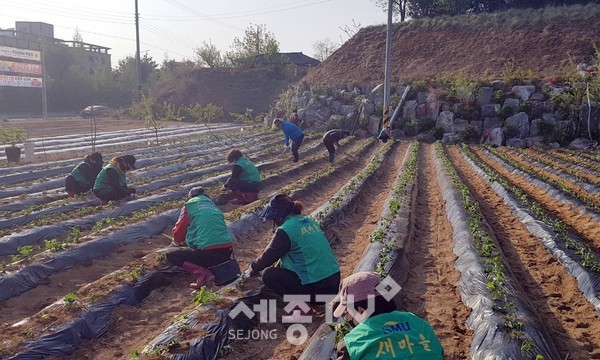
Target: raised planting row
<point x="575" y="190"/>
<point x="381" y="253"/>
<point x="233" y="227"/>
<point x="330" y="213"/>
<point x="505" y="324"/>
<point x="564" y="292"/>
<point x="583" y="221"/>
<point x="555" y="165"/>
<point x="94" y="218"/>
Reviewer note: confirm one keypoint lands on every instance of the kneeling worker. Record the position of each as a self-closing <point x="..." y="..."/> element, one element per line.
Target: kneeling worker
<point x="331" y="138"/>
<point x="111" y="183"/>
<point x="380" y="331"/>
<point x="202" y="230"/>
<point x="83" y="176"/>
<point x="245" y="180"/>
<point x="307" y="263"/>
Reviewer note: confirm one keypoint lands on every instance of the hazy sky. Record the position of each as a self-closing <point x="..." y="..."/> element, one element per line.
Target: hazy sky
<point x="176" y="27"/>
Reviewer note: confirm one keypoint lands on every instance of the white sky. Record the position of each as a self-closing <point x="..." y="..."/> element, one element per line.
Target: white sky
<point x="176" y="27"/>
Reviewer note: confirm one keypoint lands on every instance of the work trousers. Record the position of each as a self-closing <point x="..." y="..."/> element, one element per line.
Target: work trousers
<point x="284" y="281"/>
<point x="206" y="258"/>
<point x="295" y="146"/>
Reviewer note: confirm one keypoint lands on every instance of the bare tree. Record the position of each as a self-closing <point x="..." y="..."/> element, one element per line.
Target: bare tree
<point x="350" y="30"/>
<point x="323" y="48"/>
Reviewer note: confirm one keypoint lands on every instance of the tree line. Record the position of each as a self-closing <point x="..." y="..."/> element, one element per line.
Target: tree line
<point x="71" y="87"/>
<point x="414" y="9"/>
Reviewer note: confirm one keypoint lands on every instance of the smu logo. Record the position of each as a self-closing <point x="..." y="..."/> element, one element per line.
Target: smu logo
<point x="393" y="326"/>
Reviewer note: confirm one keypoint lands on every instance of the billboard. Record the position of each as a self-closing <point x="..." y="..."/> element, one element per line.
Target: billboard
<point x="21" y="68"/>
<point x="20" y="81"/>
<point x="17" y="53"/>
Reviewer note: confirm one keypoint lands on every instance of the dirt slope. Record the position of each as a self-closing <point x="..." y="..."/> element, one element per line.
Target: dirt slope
<point x="468" y="44"/>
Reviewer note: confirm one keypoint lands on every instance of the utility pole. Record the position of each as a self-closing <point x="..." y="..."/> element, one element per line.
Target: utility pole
<point x="138" y="63"/>
<point x="388" y="60"/>
<point x="44" y="94"/>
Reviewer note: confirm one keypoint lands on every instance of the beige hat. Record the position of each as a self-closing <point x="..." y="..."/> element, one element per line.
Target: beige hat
<point x="360" y="285"/>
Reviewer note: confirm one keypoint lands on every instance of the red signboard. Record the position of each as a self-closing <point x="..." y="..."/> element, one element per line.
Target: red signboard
<point x="21" y="68"/>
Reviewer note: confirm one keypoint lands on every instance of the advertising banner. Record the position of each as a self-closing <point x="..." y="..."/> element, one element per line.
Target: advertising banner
<point x="21" y="68"/>
<point x="18" y="53"/>
<point x="20" y="81"/>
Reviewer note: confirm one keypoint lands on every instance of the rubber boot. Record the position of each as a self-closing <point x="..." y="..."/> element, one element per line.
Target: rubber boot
<point x="239" y="197"/>
<point x="250" y="197"/>
<point x="204" y="275"/>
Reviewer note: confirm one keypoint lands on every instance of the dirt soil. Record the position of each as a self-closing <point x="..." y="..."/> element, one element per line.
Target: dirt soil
<point x="547" y="49"/>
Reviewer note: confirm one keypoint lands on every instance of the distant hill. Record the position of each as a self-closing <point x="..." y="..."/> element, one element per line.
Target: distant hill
<point x="547" y="41"/>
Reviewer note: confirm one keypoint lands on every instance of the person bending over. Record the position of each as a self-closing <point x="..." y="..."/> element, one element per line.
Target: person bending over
<point x="82" y="177"/>
<point x="307" y="264"/>
<point x="292" y="134"/>
<point x="331" y="138"/>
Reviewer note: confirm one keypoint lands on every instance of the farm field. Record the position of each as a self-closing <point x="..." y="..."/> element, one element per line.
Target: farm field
<point x="497" y="248"/>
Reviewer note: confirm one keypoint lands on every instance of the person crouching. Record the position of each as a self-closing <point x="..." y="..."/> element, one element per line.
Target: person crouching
<point x="201" y="236"/>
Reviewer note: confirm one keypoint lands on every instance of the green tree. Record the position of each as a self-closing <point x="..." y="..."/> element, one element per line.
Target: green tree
<point x="209" y="56"/>
<point x="257" y="41"/>
<point x="399" y="7"/>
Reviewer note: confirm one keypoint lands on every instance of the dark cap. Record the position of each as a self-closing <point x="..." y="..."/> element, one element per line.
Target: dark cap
<point x="195" y="191"/>
<point x="129" y="160"/>
<point x="279" y="206"/>
<point x="96" y="158"/>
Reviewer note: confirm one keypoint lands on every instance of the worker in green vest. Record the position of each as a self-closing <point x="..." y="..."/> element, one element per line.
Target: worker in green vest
<point x="307" y="264"/>
<point x="380" y="330"/>
<point x="201" y="237"/>
<point x="83" y="176"/>
<point x="245" y="179"/>
<point x="111" y="183"/>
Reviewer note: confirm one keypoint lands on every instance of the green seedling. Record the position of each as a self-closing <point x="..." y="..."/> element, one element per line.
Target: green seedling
<point x="204" y="296"/>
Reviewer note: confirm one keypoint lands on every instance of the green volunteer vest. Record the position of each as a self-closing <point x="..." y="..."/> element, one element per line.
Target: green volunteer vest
<point x="249" y="172"/>
<point x="394" y="335"/>
<point x="101" y="182"/>
<point x="78" y="176"/>
<point x="207" y="224"/>
<point x="310" y="255"/>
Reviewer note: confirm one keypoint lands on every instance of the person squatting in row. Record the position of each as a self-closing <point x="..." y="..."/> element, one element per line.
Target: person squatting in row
<point x="111" y="183"/>
<point x="201" y="237"/>
<point x="82" y="177"/>
<point x="305" y="262"/>
<point x="245" y="179"/>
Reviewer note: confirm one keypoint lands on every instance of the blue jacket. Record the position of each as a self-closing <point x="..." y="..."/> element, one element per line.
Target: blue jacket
<point x="290" y="131"/>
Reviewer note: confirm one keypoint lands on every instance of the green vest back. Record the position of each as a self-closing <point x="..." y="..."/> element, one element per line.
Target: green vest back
<point x="76" y="173"/>
<point x="207" y="224"/>
<point x="395" y="335"/>
<point x="249" y="172"/>
<point x="102" y="180"/>
<point x="310" y="255"/>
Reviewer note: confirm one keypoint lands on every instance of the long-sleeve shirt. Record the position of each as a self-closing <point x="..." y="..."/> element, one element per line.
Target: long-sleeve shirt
<point x="290" y="131"/>
<point x="279" y="246"/>
<point x="335" y="135"/>
<point x="115" y="184"/>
